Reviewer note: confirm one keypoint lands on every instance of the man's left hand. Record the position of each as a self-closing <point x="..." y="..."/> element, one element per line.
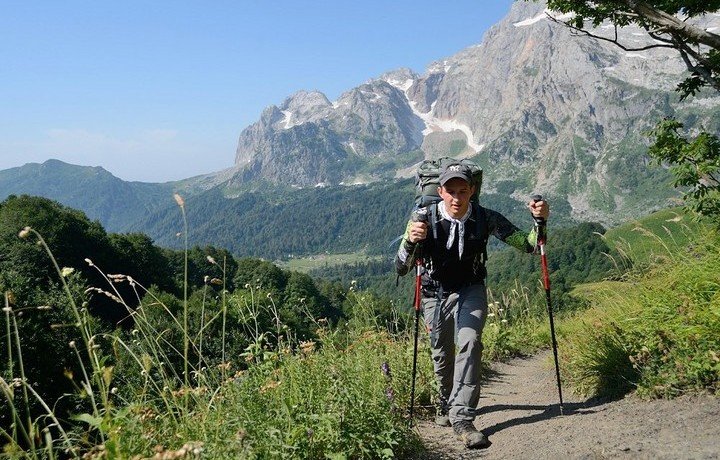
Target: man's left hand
<point x="539" y="208"/>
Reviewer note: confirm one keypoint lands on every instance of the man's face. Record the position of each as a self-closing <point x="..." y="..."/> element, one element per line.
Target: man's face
<point x="456" y="194"/>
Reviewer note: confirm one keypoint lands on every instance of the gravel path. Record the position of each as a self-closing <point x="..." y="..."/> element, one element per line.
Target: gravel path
<point x="519" y="412"/>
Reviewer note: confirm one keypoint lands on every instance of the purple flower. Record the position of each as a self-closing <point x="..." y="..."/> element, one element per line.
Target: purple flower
<point x="386" y="369"/>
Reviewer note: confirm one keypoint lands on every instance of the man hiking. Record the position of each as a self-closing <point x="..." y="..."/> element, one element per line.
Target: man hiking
<point x="451" y="238"/>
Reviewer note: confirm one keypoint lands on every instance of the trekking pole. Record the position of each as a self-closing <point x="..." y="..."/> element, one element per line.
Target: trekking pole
<point x="541" y="229"/>
<point x="417" y="216"/>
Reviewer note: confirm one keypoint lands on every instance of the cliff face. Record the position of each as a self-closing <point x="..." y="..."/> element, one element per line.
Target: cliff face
<point x="539" y="108"/>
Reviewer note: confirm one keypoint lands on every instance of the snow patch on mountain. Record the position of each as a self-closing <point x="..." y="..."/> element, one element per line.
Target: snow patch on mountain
<point x="286" y="122"/>
<point x="541" y="16"/>
<point x="401" y="85"/>
<point x="433" y="124"/>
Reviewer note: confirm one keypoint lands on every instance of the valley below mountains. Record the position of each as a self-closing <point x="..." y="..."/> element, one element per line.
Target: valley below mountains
<point x="540" y="109"/>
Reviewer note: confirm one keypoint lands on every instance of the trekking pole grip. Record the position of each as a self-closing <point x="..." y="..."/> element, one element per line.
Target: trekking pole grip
<point x="535" y="199"/>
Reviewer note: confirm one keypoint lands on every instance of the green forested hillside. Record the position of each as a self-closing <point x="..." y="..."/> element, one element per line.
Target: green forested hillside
<point x="276" y="224"/>
<point x="100" y="195"/>
<point x="266" y="221"/>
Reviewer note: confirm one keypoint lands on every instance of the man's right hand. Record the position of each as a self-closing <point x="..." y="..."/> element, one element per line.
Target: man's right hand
<point x="418" y="232"/>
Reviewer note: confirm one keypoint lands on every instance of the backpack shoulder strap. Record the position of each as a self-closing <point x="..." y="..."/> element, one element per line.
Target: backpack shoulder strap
<point x="482" y="229"/>
<point x="433" y="211"/>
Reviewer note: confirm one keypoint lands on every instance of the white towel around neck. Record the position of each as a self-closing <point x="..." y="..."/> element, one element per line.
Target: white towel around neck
<point x="458" y="224"/>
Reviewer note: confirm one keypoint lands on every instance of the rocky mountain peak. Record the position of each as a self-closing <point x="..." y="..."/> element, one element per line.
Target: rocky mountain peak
<point x="402" y="78"/>
<point x="537" y="105"/>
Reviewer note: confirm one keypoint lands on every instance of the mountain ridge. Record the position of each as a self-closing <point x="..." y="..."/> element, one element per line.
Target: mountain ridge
<point x="540" y="110"/>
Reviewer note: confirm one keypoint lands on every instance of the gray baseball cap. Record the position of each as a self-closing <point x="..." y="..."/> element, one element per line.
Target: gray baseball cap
<point x="456" y="170"/>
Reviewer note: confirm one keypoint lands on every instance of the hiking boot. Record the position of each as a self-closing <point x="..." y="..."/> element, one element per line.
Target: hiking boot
<point x="467" y="432"/>
<point x="442" y="417"/>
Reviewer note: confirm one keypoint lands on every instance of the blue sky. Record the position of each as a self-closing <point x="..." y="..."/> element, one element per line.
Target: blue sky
<point x="158" y="91"/>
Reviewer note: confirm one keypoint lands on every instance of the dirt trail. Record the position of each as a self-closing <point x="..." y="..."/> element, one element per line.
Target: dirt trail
<point x="519" y="413"/>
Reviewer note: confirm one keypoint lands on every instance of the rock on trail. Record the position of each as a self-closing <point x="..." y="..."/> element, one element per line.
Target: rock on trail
<point x="520" y="415"/>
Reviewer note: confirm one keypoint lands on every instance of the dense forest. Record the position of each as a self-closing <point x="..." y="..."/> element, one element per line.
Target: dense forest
<point x="276" y="224"/>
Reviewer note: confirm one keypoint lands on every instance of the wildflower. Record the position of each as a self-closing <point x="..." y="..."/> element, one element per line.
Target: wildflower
<point x="66" y="271"/>
<point x="89" y="262"/>
<point x="114" y="390"/>
<point x="386" y="369"/>
<point x="269" y="295"/>
<point x="179" y="200"/>
<point x="490" y="315"/>
<point x="72" y="344"/>
<point x="504" y="321"/>
<point x="211" y="260"/>
<point x="247" y="286"/>
<point x="206" y="280"/>
<point x="272" y="384"/>
<point x="216" y="281"/>
<point x="307" y="347"/>
<point x="389" y="394"/>
<point x="25" y="232"/>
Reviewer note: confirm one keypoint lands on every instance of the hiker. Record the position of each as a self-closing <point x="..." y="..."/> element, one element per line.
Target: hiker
<point x="452" y="239"/>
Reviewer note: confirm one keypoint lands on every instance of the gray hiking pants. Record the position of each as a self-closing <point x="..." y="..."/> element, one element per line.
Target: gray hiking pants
<point x="455" y="325"/>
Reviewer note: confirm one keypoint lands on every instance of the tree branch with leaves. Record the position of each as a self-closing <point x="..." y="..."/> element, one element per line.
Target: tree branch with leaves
<point x="667" y="21"/>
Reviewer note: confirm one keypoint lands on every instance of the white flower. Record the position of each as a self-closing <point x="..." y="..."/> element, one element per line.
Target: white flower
<point x="66" y="271"/>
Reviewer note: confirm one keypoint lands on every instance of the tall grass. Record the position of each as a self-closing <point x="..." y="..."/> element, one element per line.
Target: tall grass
<point x="157" y="391"/>
<point x="657" y="332"/>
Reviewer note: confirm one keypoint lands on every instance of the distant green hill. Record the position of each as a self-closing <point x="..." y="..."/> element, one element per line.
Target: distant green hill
<point x="664" y="232"/>
<point x="272" y="222"/>
<point x="117" y="204"/>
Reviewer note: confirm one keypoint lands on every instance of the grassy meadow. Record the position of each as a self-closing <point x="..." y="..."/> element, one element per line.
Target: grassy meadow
<point x="255" y="389"/>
